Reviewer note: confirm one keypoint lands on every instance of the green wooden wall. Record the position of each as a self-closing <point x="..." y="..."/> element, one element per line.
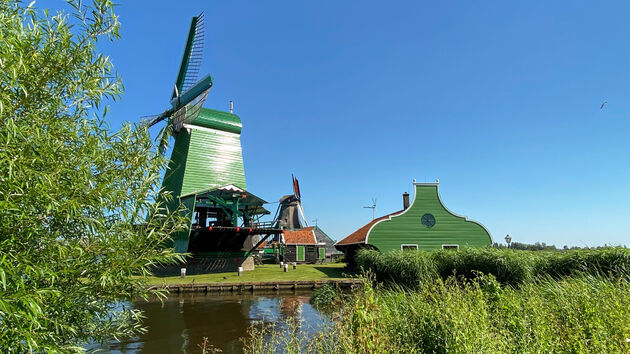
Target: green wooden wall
<point x="407" y="228"/>
<point x="208" y="155"/>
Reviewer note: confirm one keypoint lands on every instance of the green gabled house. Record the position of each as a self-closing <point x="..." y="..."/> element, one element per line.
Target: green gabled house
<point x="426" y="224"/>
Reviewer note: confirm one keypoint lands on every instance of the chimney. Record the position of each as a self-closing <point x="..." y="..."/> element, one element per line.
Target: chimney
<point x="231" y="106"/>
<point x="405" y="201"/>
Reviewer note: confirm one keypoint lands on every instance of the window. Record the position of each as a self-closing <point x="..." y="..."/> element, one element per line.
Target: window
<point x="310" y="249"/>
<point x="409" y="247"/>
<point x="450" y="247"/>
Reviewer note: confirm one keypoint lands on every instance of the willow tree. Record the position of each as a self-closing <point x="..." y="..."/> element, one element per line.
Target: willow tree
<point x="78" y="226"/>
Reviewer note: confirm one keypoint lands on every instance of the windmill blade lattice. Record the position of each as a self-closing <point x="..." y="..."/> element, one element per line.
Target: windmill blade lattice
<point x="190" y="111"/>
<point x="196" y="54"/>
<point x="193" y="55"/>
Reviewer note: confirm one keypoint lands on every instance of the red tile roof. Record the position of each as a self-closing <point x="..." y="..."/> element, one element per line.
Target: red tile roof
<point x="303" y="236"/>
<point x="360" y="235"/>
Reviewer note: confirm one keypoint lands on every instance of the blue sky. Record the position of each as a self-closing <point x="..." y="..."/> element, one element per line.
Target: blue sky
<point x="499" y="100"/>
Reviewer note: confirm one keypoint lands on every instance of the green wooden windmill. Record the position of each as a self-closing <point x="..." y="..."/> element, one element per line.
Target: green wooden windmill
<point x="205" y="171"/>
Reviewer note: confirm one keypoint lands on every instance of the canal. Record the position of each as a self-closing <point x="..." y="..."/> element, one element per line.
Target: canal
<point x="180" y="323"/>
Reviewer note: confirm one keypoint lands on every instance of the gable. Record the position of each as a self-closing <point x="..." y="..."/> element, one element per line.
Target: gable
<point x="407" y="227"/>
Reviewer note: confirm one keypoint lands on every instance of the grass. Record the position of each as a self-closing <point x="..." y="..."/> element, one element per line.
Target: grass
<point x="476" y="300"/>
<point x="585" y="314"/>
<point x="509" y="267"/>
<point x="262" y="273"/>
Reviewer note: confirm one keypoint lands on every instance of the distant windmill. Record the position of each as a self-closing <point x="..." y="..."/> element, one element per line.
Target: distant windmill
<point x="298" y="195"/>
<point x="373" y="207"/>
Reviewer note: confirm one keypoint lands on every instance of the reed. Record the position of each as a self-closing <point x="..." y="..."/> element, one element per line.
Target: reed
<point x="577" y="315"/>
<point x="509" y="267"/>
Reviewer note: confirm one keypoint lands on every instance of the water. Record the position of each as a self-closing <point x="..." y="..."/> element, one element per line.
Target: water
<point x="180" y="324"/>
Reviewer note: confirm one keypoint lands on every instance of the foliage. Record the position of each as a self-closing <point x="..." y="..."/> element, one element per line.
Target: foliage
<point x="614" y="262"/>
<point x="74" y="196"/>
<point x="575" y="315"/>
<point x="509" y="267"/>
<point x="403" y="268"/>
<point x="538" y="246"/>
<point x="324" y="296"/>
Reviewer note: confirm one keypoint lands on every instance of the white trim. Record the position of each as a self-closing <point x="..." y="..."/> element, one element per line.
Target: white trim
<point x="210" y="130"/>
<point x="450" y="245"/>
<point x="415" y="195"/>
<point x="408" y="245"/>
<point x="463" y="216"/>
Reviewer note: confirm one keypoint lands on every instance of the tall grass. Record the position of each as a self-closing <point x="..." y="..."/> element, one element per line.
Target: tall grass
<point x="509" y="267"/>
<point x="478" y="300"/>
<point x="584" y="314"/>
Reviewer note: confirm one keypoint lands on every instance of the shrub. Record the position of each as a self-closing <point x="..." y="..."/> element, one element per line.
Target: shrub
<point x="324" y="296"/>
<point x="507" y="266"/>
<point x="404" y="268"/>
<point x="614" y="262"/>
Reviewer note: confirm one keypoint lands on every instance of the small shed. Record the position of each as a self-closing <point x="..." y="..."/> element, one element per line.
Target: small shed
<point x="301" y="246"/>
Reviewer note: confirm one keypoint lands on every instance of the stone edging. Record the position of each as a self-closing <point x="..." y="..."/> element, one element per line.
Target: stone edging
<point x="253" y="286"/>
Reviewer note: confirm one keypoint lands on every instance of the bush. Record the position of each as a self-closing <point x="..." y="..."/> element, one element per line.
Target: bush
<point x="507" y="266"/>
<point x="404" y="268"/>
<point x="613" y="262"/>
<point x="510" y="267"/>
<point x="324" y="296"/>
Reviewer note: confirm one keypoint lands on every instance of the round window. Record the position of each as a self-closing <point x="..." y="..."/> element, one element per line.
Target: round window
<point x="428" y="220"/>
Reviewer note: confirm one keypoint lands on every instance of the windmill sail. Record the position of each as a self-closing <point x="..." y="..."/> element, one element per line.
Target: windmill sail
<point x="190" y="111"/>
<point x="296" y="188"/>
<point x="193" y="54"/>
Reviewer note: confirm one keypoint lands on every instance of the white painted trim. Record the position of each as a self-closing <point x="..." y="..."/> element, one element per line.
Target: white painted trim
<point x="450" y="245"/>
<point x="415" y="194"/>
<point x="209" y="130"/>
<point x="409" y="244"/>
<point x="463" y="216"/>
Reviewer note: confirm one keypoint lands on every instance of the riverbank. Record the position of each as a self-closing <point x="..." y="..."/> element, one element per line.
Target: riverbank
<point x="266" y="273"/>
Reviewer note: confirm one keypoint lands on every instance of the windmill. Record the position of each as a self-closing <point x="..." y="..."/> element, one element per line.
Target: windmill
<point x="205" y="169"/>
<point x="189" y="94"/>
<point x="290" y="209"/>
<point x="373" y="207"/>
<point x="207" y="151"/>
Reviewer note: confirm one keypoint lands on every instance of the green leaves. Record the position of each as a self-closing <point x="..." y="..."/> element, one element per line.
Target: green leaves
<point x="78" y="221"/>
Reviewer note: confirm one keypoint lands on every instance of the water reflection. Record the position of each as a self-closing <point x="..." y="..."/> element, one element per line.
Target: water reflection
<point x="181" y="322"/>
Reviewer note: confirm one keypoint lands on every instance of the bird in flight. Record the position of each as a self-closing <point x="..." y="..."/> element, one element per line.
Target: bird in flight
<point x="602" y="106"/>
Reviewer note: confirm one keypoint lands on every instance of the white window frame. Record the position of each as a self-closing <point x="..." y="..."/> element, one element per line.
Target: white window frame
<point x="450" y="246"/>
<point x="402" y="247"/>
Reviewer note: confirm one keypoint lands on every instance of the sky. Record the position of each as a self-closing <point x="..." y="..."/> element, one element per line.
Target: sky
<point x="499" y="100"/>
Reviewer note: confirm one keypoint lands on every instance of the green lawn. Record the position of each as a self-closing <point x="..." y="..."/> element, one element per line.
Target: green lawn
<point x="266" y="272"/>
